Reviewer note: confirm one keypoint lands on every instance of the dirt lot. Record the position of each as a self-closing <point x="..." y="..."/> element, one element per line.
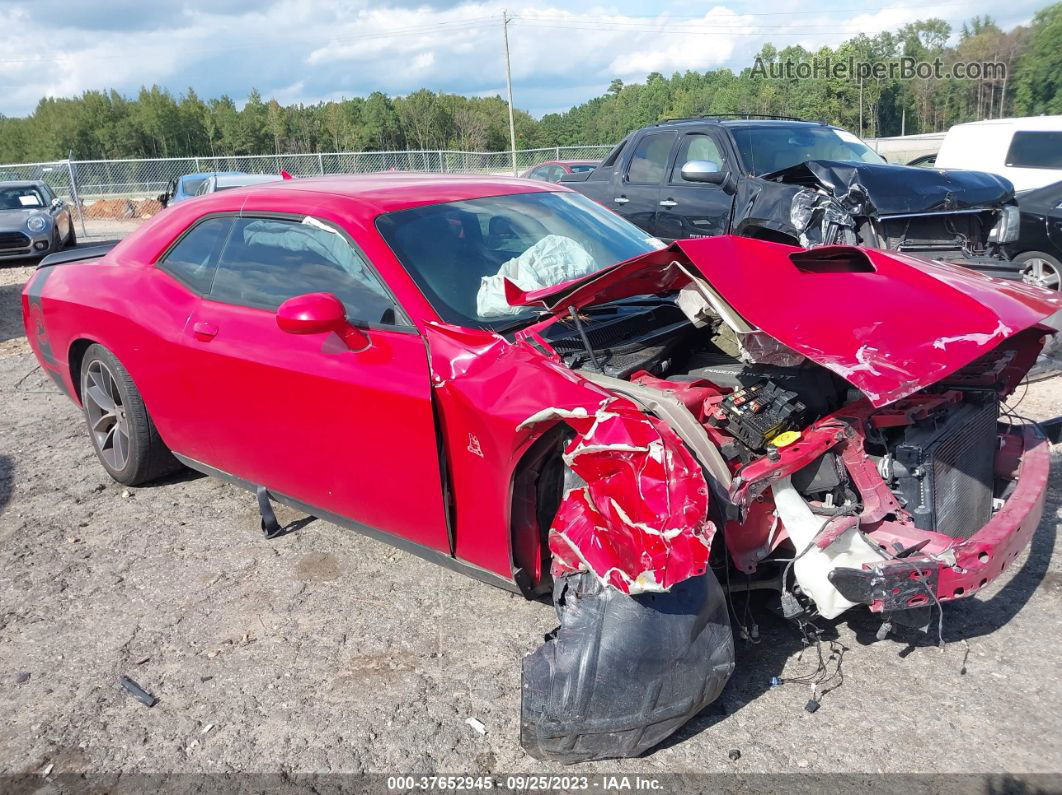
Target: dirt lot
<point x="323" y="651"/>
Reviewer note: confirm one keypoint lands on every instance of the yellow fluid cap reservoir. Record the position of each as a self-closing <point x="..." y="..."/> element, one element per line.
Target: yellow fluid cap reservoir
<point x="785" y="438"/>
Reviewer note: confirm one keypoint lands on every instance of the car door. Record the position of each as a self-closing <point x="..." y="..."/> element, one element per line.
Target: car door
<point x="1054" y="218"/>
<point x="637" y="194"/>
<point x="349" y="433"/>
<point x="694" y="209"/>
<point x="57" y="209"/>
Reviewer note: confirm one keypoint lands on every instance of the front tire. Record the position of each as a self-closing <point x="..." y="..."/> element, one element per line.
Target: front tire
<point x="71" y="239"/>
<point x="121" y="430"/>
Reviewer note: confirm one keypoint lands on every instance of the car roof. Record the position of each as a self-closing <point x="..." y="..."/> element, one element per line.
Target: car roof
<point x="391" y="191"/>
<point x="21" y="183"/>
<point x="239" y="180"/>
<point x="205" y="174"/>
<point x="1020" y="122"/>
<point x="737" y="123"/>
<point x="565" y="163"/>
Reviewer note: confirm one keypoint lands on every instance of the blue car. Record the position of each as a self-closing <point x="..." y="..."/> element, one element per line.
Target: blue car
<point x="187" y="186"/>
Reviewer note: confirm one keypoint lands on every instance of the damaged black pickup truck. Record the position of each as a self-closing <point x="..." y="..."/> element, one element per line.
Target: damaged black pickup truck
<point x="804" y="184"/>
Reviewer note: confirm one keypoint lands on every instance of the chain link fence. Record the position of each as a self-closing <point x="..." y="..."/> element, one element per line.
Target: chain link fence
<point x="86" y="182"/>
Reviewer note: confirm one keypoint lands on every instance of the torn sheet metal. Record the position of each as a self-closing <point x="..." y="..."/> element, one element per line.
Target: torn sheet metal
<point x="640" y="523"/>
<point x="484" y="387"/>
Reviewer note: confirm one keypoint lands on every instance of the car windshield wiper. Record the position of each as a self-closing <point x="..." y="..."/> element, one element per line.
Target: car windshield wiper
<point x="519" y="322"/>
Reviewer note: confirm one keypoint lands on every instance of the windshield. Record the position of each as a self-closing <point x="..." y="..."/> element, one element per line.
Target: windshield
<point x="460" y="253"/>
<point x="20" y="198"/>
<point x="769" y="149"/>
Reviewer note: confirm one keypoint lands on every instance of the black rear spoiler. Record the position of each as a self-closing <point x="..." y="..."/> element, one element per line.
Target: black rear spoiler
<point x="76" y="255"/>
<point x="577" y="176"/>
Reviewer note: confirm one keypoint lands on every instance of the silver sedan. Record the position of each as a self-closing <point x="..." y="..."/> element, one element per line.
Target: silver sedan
<point x="33" y="220"/>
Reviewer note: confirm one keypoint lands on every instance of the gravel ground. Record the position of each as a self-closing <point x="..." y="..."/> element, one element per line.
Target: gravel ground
<point x="324" y="651"/>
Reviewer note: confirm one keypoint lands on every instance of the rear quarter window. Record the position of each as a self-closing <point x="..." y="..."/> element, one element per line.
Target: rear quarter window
<point x="193" y="259"/>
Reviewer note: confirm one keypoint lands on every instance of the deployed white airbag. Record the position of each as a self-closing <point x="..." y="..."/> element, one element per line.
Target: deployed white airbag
<point x="551" y="261"/>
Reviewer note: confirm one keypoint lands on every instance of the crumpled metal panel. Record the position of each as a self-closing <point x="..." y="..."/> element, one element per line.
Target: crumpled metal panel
<point x="640" y="523"/>
<point x="891" y="329"/>
<point x="885" y="188"/>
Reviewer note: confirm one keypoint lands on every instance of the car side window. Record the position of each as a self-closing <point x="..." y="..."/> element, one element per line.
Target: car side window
<point x="696" y="146"/>
<point x="266" y="261"/>
<point x="194" y="258"/>
<point x="649" y="161"/>
<point x="538" y="173"/>
<point x="1035" y="149"/>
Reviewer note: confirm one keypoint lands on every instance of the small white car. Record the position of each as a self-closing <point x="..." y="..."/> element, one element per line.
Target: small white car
<point x="1027" y="151"/>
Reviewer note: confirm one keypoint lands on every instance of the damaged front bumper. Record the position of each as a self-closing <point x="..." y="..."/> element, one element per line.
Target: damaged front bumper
<point x="946" y="568"/>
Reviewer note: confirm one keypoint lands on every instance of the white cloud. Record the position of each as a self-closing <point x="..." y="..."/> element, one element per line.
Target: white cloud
<point x="305" y="50"/>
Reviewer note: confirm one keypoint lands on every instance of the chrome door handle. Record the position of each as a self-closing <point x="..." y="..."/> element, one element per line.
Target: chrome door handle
<point x="621" y="200"/>
<point x="668" y="203"/>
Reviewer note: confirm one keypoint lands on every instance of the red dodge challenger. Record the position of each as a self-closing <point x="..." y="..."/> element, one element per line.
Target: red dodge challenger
<point x="503" y="377"/>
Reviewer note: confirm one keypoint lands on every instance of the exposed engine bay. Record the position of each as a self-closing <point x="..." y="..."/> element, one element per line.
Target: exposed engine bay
<point x="929" y="462"/>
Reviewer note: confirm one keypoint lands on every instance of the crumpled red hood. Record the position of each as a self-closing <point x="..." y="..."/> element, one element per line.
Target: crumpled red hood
<point x="887" y="323"/>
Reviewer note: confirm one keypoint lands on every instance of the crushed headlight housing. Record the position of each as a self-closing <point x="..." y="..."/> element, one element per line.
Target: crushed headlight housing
<point x="36" y="223"/>
<point x="802" y="209"/>
<point x="1006" y="228"/>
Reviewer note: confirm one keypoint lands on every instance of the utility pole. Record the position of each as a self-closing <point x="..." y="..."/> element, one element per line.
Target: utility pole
<point x="860" y="106"/>
<point x="509" y="84"/>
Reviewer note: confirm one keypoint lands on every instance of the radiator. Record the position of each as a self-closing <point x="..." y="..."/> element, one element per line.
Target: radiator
<point x="945" y="467"/>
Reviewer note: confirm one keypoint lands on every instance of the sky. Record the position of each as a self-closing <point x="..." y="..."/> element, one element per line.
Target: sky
<point x="562" y="53"/>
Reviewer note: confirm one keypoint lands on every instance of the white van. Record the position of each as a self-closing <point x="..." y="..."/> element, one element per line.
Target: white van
<point x="1027" y="151"/>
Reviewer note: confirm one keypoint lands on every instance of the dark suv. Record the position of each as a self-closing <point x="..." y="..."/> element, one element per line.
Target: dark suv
<point x="800" y="183"/>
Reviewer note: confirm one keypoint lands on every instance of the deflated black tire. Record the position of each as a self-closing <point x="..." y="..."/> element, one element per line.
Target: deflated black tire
<point x="622" y="673"/>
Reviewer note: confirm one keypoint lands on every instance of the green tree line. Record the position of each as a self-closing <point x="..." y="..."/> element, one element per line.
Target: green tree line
<point x="106" y="124"/>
